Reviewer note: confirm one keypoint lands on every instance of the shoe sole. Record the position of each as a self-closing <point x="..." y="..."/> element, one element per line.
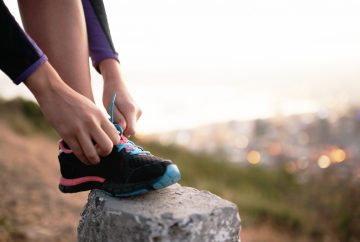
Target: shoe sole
<point x="171" y="176"/>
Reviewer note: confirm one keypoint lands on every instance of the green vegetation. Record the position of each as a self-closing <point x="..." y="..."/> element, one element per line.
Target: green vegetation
<point x="25" y="117"/>
<point x="325" y="206"/>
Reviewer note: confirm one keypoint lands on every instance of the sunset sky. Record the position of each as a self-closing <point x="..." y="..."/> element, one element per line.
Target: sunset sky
<point x="191" y="62"/>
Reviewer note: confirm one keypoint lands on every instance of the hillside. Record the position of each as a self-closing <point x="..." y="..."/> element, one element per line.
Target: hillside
<point x="274" y="205"/>
<point x="31" y="207"/>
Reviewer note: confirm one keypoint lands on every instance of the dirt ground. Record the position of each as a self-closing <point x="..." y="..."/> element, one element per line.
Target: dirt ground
<point x="31" y="207"/>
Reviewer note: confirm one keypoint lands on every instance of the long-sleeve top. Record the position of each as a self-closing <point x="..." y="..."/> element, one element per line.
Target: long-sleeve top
<point x="20" y="56"/>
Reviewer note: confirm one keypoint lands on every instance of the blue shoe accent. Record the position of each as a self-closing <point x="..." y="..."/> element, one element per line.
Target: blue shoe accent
<point x="171" y="176"/>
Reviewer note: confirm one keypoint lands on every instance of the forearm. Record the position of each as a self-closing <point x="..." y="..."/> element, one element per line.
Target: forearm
<point x="110" y="70"/>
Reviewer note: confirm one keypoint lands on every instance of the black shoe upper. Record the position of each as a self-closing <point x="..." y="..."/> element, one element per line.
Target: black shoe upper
<point x="118" y="167"/>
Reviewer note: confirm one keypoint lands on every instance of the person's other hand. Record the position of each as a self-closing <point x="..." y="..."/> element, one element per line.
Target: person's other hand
<point x="126" y="111"/>
<point x="77" y="120"/>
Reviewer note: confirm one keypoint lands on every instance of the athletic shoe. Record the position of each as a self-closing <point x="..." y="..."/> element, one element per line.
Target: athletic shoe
<point x="128" y="170"/>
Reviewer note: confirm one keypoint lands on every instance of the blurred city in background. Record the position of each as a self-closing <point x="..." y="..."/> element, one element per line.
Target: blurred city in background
<point x="303" y="143"/>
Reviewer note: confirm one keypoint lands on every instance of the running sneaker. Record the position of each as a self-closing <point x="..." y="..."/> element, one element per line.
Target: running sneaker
<point x="128" y="170"/>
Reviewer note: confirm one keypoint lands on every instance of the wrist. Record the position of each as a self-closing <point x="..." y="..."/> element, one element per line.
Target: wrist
<point x="110" y="70"/>
<point x="43" y="82"/>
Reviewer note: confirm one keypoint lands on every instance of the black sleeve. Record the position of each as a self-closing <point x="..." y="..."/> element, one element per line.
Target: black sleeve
<point x="19" y="55"/>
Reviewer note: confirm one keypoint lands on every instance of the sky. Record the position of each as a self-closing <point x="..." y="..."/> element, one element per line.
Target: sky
<point x="192" y="62"/>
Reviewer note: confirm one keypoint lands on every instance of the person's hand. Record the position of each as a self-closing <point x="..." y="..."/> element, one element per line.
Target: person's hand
<point x="126" y="111"/>
<point x="77" y="120"/>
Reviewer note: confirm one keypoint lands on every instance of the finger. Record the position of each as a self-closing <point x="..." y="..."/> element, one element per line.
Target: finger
<point x="104" y="144"/>
<point x="88" y="148"/>
<point x="75" y="147"/>
<point x="110" y="131"/>
<point x="130" y="124"/>
<point x="119" y="118"/>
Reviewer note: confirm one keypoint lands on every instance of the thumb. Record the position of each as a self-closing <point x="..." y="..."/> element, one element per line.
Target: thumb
<point x="120" y="118"/>
<point x="130" y="124"/>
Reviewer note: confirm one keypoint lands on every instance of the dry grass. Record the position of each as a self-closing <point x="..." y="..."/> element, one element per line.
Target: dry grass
<point x="31" y="207"/>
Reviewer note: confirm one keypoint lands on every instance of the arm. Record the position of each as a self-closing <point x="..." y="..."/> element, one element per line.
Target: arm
<point x="105" y="60"/>
<point x="77" y="120"/>
<point x="72" y="115"/>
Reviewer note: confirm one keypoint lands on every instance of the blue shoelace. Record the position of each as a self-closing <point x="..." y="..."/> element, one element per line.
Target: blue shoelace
<point x="124" y="143"/>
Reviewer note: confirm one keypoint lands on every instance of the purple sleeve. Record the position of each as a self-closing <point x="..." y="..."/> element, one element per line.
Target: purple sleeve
<point x="19" y="55"/>
<point x="34" y="66"/>
<point x="100" y="42"/>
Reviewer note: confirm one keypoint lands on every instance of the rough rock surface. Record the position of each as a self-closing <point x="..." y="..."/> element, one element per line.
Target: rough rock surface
<point x="169" y="215"/>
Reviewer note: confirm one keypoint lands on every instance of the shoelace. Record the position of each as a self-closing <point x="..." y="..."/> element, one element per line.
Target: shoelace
<point x="130" y="147"/>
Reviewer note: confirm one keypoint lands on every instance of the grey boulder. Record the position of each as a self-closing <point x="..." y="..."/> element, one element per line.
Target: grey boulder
<point x="172" y="214"/>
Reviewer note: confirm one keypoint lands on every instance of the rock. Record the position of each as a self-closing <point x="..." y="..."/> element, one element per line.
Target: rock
<point x="172" y="214"/>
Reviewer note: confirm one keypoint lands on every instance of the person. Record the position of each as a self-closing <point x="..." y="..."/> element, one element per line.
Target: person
<point x="52" y="60"/>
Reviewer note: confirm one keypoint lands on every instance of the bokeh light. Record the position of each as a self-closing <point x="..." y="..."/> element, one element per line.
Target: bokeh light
<point x="275" y="149"/>
<point x="324" y="161"/>
<point x="337" y="155"/>
<point x="253" y="157"/>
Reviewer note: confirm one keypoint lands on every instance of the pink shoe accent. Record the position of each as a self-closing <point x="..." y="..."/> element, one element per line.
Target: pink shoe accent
<point x="123" y="139"/>
<point x="77" y="181"/>
<point x="62" y="148"/>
